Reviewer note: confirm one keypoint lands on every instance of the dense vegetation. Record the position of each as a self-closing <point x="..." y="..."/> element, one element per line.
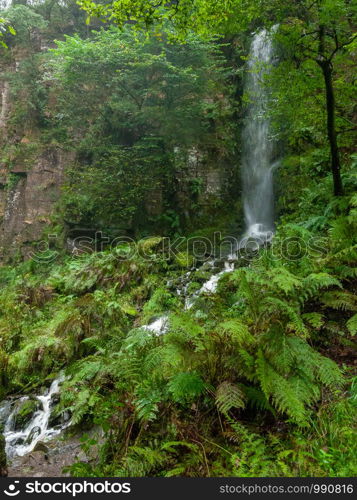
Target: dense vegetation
<point x="258" y="378"/>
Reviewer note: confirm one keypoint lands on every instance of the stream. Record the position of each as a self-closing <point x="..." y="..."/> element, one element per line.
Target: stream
<point x="38" y="426"/>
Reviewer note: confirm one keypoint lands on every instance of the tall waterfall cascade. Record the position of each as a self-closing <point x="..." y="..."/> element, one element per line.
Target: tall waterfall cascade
<point x="258" y="161"/>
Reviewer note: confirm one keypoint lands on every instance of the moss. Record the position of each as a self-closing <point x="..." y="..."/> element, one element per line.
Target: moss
<point x="25" y="412"/>
<point x="184" y="260"/>
<point x="149" y="246"/>
<point x="193" y="287"/>
<point x="3" y="463"/>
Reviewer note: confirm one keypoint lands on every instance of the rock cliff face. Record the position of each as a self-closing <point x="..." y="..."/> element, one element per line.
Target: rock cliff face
<point x="30" y="182"/>
<point x="27" y="199"/>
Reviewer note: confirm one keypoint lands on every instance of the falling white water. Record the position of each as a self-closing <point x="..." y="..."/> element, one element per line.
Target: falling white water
<point x="258" y="146"/>
<point x="5" y="4"/>
<point x="18" y="443"/>
<point x="158" y="326"/>
<point x="210" y="286"/>
<point x="5" y="101"/>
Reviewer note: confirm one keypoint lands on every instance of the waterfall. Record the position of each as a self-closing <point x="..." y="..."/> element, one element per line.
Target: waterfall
<point x="5" y="99"/>
<point x="5" y="4"/>
<point x="258" y="146"/>
<point x="38" y="428"/>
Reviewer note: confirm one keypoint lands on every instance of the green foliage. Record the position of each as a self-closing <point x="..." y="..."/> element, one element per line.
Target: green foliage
<point x="255" y="379"/>
<point x="185" y="387"/>
<point x="229" y="396"/>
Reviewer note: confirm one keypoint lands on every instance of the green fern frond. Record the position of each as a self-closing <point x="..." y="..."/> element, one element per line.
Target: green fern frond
<point x="256" y="398"/>
<point x="284" y="280"/>
<point x="185" y="387"/>
<point x="228" y="396"/>
<point x="352" y="325"/>
<point x="174" y="446"/>
<point x="327" y="371"/>
<point x="238" y="331"/>
<point x="281" y="392"/>
<point x="146" y="403"/>
<point x="340" y="299"/>
<point x="274" y="305"/>
<point x="315" y="282"/>
<point x="316" y="320"/>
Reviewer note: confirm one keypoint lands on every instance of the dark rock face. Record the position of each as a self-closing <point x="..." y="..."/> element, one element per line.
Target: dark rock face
<point x="3" y="464"/>
<point x="26" y="205"/>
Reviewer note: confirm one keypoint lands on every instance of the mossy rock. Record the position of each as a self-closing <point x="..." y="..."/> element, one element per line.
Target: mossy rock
<point x="193" y="287"/>
<point x="3" y="462"/>
<point x="25" y="412"/>
<point x="149" y="246"/>
<point x="184" y="260"/>
<point x="202" y="276"/>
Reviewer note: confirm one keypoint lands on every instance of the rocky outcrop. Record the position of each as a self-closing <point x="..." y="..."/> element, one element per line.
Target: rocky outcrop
<point x="27" y="198"/>
<point x="203" y="179"/>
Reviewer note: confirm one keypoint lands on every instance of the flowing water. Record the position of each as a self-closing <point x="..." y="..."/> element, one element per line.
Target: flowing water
<point x="5" y="4"/>
<point x="22" y="441"/>
<point x="258" y="162"/>
<point x="258" y="166"/>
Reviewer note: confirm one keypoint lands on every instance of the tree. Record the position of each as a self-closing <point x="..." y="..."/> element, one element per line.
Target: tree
<point x="319" y="30"/>
<point x="5" y="27"/>
<point x="128" y="102"/>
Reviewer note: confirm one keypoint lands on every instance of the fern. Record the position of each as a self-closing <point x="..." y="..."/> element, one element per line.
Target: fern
<point x="340" y="299"/>
<point x="185" y="387"/>
<point x="256" y="398"/>
<point x="283" y="394"/>
<point x="352" y="325"/>
<point x="237" y="330"/>
<point x="277" y="306"/>
<point x="316" y="320"/>
<point x="315" y="282"/>
<point x="284" y="280"/>
<point x="140" y="461"/>
<point x="229" y="396"/>
<point x="146" y="402"/>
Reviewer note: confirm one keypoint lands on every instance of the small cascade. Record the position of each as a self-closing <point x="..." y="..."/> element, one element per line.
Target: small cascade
<point x="5" y="4"/>
<point x="5" y="103"/>
<point x="258" y="162"/>
<point x="159" y="326"/>
<point x="20" y="442"/>
<point x="210" y="286"/>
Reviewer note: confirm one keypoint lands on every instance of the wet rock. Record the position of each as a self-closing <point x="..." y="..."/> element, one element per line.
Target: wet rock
<point x="36" y="431"/>
<point x="5" y="411"/>
<point x="49" y="459"/>
<point x="25" y="412"/>
<point x="55" y="399"/>
<point x="3" y="461"/>
<point x="40" y="446"/>
<point x="17" y="442"/>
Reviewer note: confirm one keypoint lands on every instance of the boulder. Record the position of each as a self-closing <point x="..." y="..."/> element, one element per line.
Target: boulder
<point x="25" y="412"/>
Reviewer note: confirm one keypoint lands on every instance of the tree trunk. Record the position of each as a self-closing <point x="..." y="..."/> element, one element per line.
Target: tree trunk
<point x="331" y="128"/>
